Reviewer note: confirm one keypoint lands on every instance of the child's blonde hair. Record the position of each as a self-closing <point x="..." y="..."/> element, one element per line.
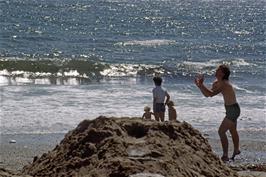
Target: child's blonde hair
<point x="147" y="108"/>
<point x="170" y="103"/>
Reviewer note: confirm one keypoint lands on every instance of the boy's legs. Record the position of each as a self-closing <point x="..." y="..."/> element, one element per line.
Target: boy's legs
<point x="235" y="138"/>
<point x="156" y="115"/>
<point x="161" y="115"/>
<point x="225" y="125"/>
<point x="159" y="109"/>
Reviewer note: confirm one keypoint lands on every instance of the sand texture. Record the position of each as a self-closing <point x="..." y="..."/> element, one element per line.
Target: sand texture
<point x="124" y="147"/>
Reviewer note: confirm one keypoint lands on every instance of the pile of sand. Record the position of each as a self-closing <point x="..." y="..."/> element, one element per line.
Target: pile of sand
<point x="130" y="147"/>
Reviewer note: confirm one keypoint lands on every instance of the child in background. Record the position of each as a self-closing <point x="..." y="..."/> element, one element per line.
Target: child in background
<point x="171" y="111"/>
<point x="147" y="113"/>
<point x="159" y="95"/>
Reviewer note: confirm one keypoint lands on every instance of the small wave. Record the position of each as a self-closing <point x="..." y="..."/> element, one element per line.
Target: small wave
<point x="242" y="89"/>
<point x="154" y="42"/>
<point x="242" y="32"/>
<point x="132" y="70"/>
<point x="80" y="71"/>
<point x="209" y="67"/>
<point x="47" y="67"/>
<point x="241" y="62"/>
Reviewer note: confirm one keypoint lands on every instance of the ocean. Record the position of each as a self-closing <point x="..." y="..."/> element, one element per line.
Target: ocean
<point x="62" y="61"/>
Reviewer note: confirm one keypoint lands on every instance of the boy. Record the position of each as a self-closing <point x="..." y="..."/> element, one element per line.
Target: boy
<point x="222" y="85"/>
<point x="171" y="111"/>
<point x="147" y="113"/>
<point x="159" y="95"/>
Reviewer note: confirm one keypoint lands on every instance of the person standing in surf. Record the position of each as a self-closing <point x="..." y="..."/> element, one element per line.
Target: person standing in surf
<point x="223" y="86"/>
<point x="159" y="95"/>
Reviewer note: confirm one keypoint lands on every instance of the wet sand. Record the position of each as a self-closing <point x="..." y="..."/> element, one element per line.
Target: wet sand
<point x="16" y="155"/>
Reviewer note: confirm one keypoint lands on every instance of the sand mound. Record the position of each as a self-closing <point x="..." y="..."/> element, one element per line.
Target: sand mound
<point x="130" y="147"/>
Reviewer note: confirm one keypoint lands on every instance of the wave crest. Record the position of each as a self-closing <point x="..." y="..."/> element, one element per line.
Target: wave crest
<point x="154" y="42"/>
<point x="86" y="70"/>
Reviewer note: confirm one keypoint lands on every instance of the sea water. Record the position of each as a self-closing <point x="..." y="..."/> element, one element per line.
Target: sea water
<point x="62" y="61"/>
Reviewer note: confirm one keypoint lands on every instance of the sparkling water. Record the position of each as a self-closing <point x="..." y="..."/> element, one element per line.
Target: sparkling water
<point x="62" y="61"/>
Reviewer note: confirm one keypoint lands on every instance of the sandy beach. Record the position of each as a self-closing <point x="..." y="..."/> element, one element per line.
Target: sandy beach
<point x="16" y="155"/>
<point x="64" y="61"/>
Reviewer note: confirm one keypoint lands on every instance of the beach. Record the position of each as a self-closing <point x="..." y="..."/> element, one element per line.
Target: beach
<point x="15" y="156"/>
<point x="64" y="61"/>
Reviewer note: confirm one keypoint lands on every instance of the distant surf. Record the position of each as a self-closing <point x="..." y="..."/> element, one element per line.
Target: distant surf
<point x="153" y="42"/>
<point x="26" y="70"/>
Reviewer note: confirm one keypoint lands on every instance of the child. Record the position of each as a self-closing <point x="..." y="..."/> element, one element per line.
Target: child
<point x="223" y="86"/>
<point x="159" y="95"/>
<point x="147" y="113"/>
<point x="171" y="111"/>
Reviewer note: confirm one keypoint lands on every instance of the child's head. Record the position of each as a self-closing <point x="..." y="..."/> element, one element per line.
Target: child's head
<point x="147" y="109"/>
<point x="170" y="103"/>
<point x="157" y="80"/>
<point x="223" y="72"/>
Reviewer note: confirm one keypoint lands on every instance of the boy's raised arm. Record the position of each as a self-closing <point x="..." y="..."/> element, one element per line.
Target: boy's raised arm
<point x="204" y="90"/>
<point x="207" y="92"/>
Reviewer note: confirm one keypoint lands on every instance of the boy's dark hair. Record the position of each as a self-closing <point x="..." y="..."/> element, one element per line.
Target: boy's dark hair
<point x="157" y="80"/>
<point x="225" y="69"/>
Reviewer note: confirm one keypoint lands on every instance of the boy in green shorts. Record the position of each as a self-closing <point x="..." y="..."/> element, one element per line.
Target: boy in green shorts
<point x="223" y="86"/>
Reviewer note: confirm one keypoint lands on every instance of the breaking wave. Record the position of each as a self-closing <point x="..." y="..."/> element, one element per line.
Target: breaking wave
<point x="86" y="70"/>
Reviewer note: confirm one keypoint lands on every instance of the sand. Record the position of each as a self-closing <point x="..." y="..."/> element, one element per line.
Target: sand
<point x="15" y="156"/>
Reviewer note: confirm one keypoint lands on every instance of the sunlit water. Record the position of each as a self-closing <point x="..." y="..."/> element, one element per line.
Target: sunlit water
<point x="65" y="61"/>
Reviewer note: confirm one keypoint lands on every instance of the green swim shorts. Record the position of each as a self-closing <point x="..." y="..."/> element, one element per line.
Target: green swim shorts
<point x="232" y="112"/>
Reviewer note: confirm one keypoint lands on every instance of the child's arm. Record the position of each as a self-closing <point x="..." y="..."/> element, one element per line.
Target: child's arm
<point x="143" y="115"/>
<point x="167" y="97"/>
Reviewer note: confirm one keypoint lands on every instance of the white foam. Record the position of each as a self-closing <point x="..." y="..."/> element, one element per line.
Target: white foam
<point x="153" y="42"/>
<point x="42" y="74"/>
<point x="242" y="32"/>
<point x="242" y="89"/>
<point x="42" y="81"/>
<point x="242" y="62"/>
<point x="56" y="108"/>
<point x="71" y="81"/>
<point x="201" y="65"/>
<point x="73" y="73"/>
<point x="23" y="80"/>
<point x="210" y="66"/>
<point x="129" y="70"/>
<point x="215" y="62"/>
<point x="4" y="73"/>
<point x="4" y="80"/>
